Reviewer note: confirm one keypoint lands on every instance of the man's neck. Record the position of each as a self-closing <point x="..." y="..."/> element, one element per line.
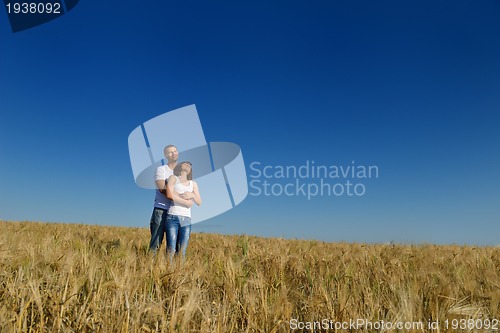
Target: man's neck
<point x="172" y="165"/>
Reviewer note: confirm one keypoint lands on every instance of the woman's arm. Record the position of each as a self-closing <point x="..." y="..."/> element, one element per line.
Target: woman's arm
<point x="195" y="195"/>
<point x="173" y="195"/>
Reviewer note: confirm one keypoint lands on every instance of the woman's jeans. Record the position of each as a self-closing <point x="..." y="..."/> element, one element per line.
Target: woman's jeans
<point x="177" y="229"/>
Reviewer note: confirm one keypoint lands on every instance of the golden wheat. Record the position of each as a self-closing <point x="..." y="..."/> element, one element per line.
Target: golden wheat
<point x="79" y="278"/>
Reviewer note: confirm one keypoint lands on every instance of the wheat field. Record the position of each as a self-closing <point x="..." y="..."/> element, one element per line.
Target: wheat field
<point x="81" y="278"/>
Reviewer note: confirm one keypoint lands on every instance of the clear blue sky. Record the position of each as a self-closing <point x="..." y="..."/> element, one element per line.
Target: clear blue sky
<point x="412" y="87"/>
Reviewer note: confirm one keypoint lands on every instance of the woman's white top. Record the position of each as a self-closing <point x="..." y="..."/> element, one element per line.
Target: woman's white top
<point x="177" y="208"/>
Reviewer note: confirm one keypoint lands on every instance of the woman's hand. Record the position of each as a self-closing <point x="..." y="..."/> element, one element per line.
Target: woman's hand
<point x="174" y="196"/>
<point x="187" y="195"/>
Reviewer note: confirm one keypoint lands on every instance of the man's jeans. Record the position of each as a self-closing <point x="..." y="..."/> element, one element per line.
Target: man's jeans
<point x="178" y="229"/>
<point x="157" y="228"/>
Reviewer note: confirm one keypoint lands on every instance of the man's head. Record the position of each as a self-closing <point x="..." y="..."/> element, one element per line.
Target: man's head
<point x="171" y="153"/>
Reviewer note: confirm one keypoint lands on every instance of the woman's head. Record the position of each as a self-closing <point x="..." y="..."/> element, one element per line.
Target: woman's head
<point x="184" y="167"/>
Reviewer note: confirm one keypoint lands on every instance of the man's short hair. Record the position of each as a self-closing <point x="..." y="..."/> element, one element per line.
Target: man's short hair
<point x="168" y="146"/>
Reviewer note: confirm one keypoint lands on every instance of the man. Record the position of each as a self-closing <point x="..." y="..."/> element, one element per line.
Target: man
<point x="162" y="203"/>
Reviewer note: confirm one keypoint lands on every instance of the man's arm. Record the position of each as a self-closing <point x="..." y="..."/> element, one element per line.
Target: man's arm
<point x="160" y="180"/>
<point x="160" y="185"/>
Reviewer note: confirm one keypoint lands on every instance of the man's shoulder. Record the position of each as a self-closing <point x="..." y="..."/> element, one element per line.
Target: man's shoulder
<point x="165" y="168"/>
<point x="162" y="172"/>
<point x="161" y="168"/>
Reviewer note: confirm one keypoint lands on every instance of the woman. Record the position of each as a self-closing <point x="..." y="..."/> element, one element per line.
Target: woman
<point x="183" y="191"/>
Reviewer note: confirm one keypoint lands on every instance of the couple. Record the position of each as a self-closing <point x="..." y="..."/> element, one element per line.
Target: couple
<point x="175" y="194"/>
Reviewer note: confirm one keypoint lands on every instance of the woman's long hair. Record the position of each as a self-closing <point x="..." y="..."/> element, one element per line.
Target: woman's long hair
<point x="178" y="169"/>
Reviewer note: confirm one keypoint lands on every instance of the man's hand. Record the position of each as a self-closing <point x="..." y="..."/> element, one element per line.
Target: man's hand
<point x="187" y="195"/>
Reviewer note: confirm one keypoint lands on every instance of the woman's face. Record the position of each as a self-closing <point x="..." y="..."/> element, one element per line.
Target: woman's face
<point x="186" y="167"/>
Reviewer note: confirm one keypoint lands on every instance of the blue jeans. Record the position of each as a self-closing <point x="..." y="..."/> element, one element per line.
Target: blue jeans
<point x="178" y="229"/>
<point x="157" y="228"/>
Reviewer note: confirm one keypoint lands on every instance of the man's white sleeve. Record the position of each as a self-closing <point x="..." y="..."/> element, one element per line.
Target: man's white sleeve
<point x="160" y="173"/>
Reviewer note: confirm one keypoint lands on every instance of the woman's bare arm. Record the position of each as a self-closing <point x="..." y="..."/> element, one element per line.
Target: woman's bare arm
<point x="174" y="196"/>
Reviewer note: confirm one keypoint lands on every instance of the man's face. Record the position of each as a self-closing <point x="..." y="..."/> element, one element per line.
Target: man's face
<point x="171" y="154"/>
